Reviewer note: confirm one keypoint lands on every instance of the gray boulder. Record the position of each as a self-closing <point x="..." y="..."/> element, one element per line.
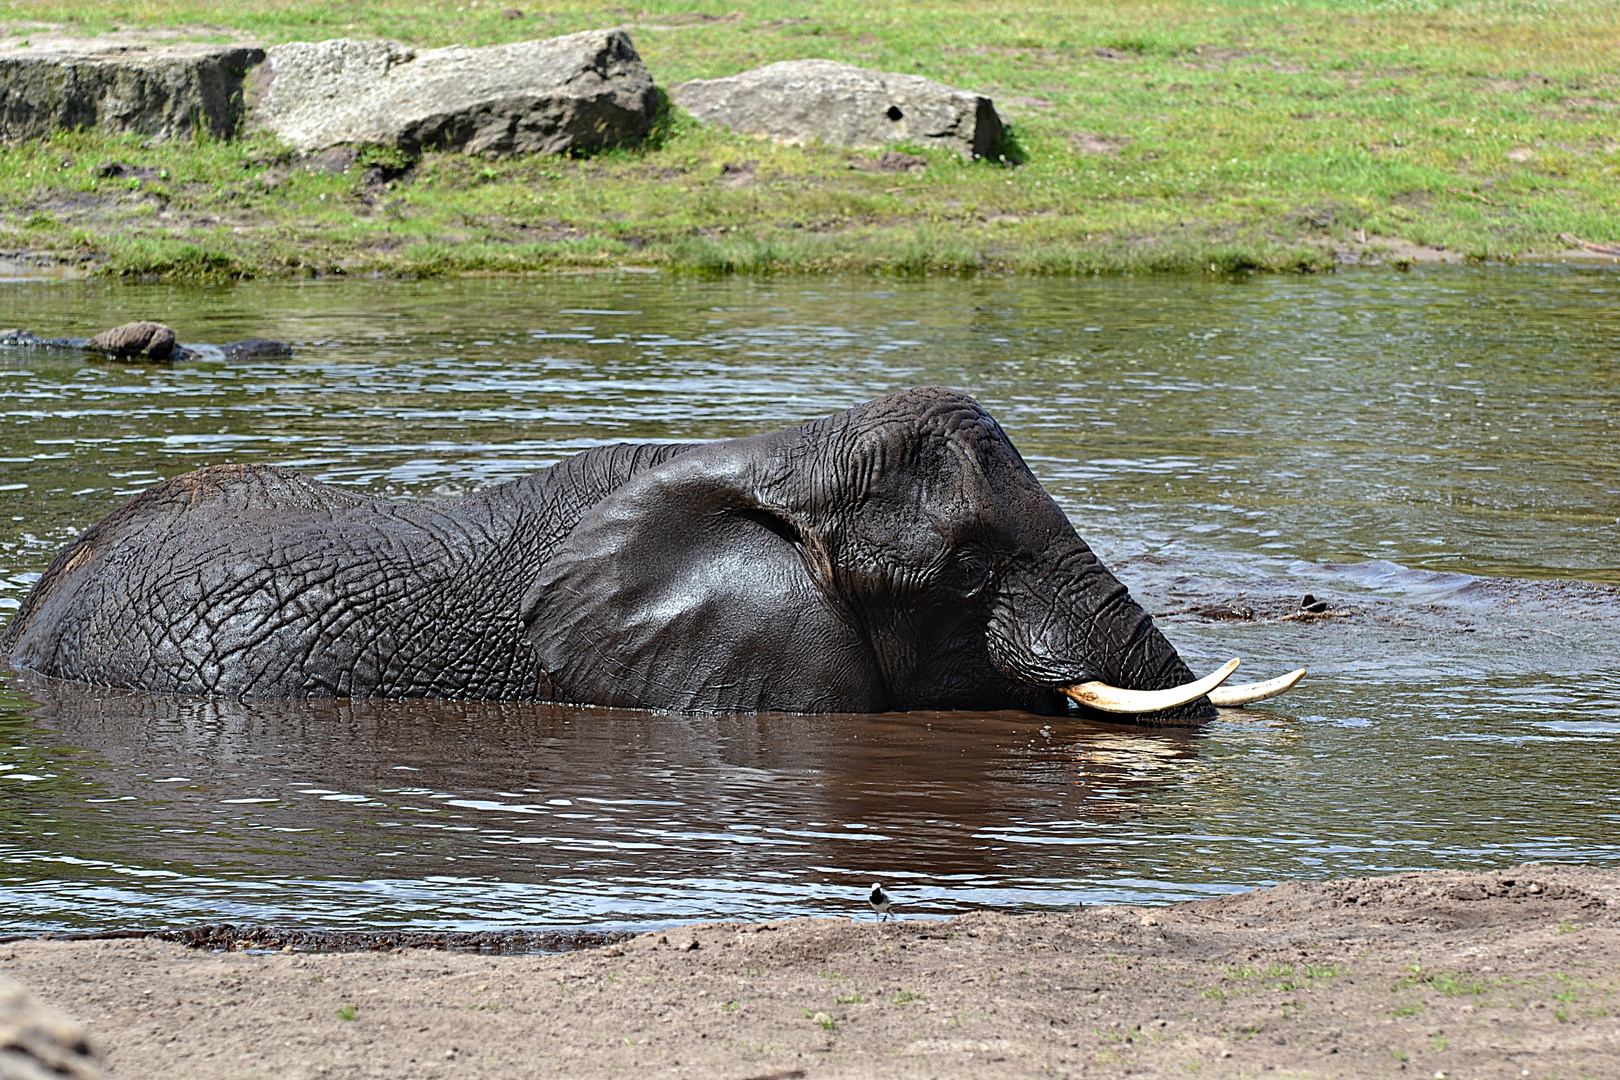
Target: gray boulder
<point x="578" y="92"/>
<point x="164" y="91"/>
<point x="39" y="1043"/>
<point x="800" y="101"/>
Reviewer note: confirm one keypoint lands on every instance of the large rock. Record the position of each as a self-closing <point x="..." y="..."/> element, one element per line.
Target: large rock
<point x="800" y="101"/>
<point x="164" y="91"/>
<point x="577" y="92"/>
<point x="39" y="1043"/>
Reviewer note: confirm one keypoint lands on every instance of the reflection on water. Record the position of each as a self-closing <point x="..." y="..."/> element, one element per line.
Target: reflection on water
<point x="457" y="812"/>
<point x="1413" y="447"/>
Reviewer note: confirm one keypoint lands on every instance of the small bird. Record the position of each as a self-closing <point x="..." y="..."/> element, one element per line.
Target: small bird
<point x="879" y="900"/>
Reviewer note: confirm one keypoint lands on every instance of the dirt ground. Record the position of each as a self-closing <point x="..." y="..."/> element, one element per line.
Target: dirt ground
<point x="1507" y="974"/>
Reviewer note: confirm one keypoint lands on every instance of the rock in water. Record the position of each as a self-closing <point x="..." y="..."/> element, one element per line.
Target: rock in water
<point x="255" y="349"/>
<point x="577" y="92"/>
<point x="145" y="340"/>
<point x="39" y="1043"/>
<point x="798" y="101"/>
<point x="148" y="341"/>
<point x="165" y="91"/>
<point x="22" y="339"/>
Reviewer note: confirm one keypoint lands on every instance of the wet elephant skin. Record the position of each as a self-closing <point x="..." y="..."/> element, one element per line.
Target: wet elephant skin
<point x="898" y="555"/>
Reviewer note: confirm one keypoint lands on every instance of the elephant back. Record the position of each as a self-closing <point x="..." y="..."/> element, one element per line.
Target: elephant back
<point x="89" y="588"/>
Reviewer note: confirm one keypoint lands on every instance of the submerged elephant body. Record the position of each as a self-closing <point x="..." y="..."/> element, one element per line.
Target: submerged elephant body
<point x="899" y="555"/>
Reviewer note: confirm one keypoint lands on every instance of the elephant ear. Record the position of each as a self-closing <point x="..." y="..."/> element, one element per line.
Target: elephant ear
<point x="685" y="590"/>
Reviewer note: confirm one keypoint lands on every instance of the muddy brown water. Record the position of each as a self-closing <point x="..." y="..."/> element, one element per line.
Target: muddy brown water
<point x="1435" y="453"/>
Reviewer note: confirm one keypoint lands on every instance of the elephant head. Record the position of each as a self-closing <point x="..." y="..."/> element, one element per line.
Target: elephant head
<point x="899" y="555"/>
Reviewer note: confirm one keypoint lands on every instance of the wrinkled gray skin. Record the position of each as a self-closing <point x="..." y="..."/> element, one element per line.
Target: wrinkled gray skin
<point x="899" y="555"/>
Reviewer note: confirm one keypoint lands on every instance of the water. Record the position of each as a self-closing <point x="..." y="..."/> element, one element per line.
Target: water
<point x="1434" y="452"/>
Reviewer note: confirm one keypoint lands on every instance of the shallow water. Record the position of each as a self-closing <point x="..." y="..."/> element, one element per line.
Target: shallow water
<point x="1434" y="452"/>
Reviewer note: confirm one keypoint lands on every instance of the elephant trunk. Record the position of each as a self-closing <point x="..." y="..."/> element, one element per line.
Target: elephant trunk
<point x="1080" y="625"/>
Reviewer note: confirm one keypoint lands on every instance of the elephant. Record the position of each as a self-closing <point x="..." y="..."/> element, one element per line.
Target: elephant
<point x="899" y="555"/>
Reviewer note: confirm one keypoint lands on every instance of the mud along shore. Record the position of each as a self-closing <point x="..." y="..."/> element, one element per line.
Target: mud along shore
<point x="1503" y="974"/>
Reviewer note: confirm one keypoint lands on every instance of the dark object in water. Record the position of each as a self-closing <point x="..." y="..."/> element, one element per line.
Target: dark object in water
<point x="255" y="348"/>
<point x="1312" y="604"/>
<point x="1221" y="613"/>
<point x="22" y="339"/>
<point x="147" y="341"/>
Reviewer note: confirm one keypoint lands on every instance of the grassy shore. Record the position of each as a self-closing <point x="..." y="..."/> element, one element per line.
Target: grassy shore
<point x="1156" y="134"/>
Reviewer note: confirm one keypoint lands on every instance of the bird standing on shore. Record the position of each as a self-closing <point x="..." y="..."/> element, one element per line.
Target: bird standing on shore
<point x="879" y="900"/>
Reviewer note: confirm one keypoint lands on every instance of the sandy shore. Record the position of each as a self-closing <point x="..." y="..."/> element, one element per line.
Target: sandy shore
<point x="1508" y="974"/>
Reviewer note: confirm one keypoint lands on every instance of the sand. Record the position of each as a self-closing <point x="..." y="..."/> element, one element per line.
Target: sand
<point x="1506" y="974"/>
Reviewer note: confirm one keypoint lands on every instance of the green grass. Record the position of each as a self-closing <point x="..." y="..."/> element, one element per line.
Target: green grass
<point x="1166" y="135"/>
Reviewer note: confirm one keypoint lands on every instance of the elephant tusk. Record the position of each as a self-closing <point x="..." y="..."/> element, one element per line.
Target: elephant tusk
<point x="1099" y="695"/>
<point x="1235" y="697"/>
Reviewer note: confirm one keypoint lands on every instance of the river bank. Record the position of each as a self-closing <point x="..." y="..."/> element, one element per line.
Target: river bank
<point x="1445" y="974"/>
<point x="1169" y="136"/>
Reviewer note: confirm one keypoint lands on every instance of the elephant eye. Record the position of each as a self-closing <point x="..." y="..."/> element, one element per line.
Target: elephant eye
<point x="967" y="571"/>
